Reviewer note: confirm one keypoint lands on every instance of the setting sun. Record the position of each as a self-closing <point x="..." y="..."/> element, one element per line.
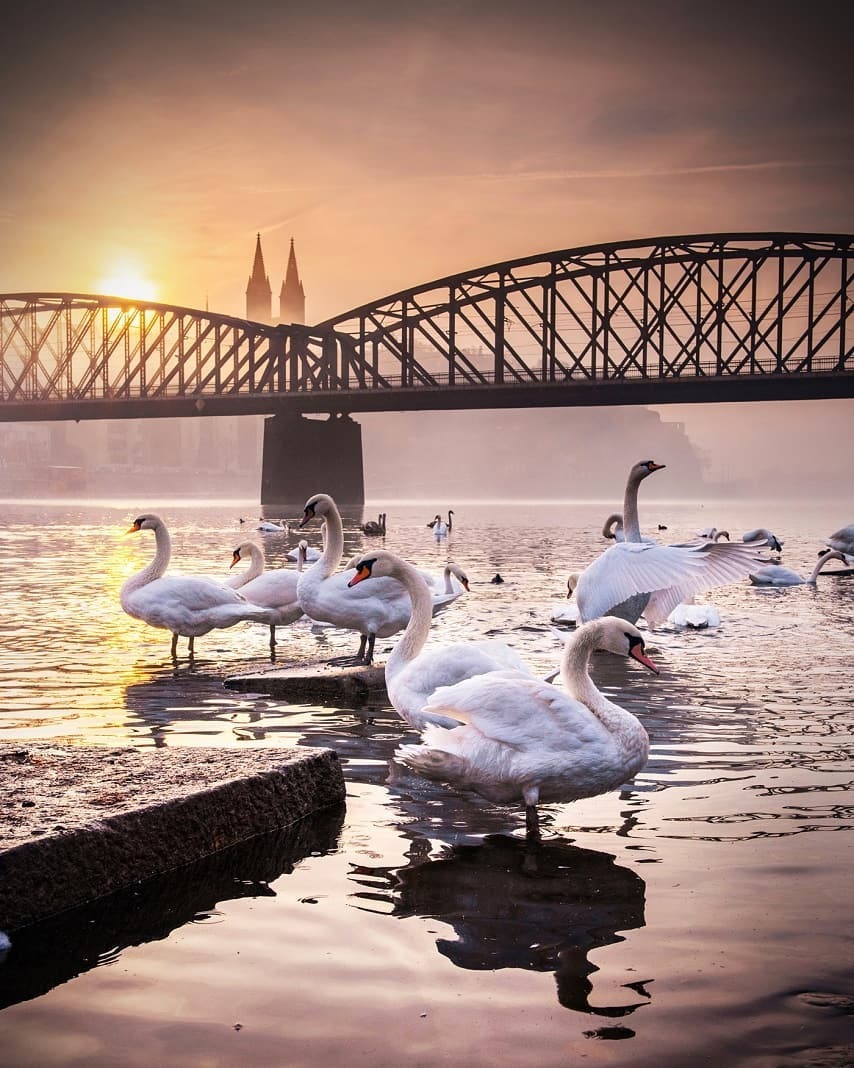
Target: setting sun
<point x="127" y="279"/>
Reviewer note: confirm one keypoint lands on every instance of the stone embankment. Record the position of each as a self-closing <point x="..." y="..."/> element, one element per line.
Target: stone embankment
<point x="79" y="822"/>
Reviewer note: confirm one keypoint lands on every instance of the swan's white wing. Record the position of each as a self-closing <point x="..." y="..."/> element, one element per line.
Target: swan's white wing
<point x="720" y="564"/>
<point x="192" y="605"/>
<point x="272" y="589"/>
<point x="445" y="666"/>
<point x="842" y="540"/>
<point x="193" y="594"/>
<point x="775" y="575"/>
<point x="442" y="600"/>
<point x="509" y="707"/>
<point x="671" y="572"/>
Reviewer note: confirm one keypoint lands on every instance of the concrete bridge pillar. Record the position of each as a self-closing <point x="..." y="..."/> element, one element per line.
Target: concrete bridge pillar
<point x="305" y="456"/>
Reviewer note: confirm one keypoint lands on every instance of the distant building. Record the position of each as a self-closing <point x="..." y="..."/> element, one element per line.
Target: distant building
<point x="259" y="295"/>
<point x="292" y="294"/>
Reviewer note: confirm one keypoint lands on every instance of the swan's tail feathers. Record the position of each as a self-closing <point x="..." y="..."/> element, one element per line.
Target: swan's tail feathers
<point x="257" y="614"/>
<point x="433" y="763"/>
<point x="229" y="615"/>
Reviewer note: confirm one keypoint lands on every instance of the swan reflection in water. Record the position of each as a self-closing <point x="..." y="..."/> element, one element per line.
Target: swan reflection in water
<point x="513" y="907"/>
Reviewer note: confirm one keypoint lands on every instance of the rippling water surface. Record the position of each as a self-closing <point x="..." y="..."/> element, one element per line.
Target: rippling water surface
<point x="700" y="915"/>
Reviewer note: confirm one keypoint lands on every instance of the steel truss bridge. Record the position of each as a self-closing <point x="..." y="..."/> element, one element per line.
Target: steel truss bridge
<point x="710" y="317"/>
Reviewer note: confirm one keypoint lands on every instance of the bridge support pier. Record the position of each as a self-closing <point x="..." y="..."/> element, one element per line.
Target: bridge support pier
<point x="305" y="456"/>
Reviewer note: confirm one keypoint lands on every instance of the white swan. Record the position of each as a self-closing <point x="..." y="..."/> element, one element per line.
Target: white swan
<point x="842" y="541"/>
<point x="776" y="575"/>
<point x="440" y="527"/>
<point x="518" y="738"/>
<point x="443" y="587"/>
<point x="568" y="614"/>
<point x="187" y="607"/>
<point x="275" y="589"/>
<point x="255" y="553"/>
<point x="613" y="529"/>
<point x="270" y="526"/>
<point x="695" y="616"/>
<point x="412" y="675"/>
<point x="634" y="577"/>
<point x="761" y="535"/>
<point x="712" y="534"/>
<point x="311" y="554"/>
<point x="565" y="615"/>
<point x="379" y="612"/>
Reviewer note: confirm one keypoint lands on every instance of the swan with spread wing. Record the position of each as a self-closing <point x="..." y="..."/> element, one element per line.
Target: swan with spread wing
<point x="635" y="577"/>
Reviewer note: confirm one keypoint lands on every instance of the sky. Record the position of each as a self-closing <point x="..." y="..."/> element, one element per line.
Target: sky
<point x="397" y="144"/>
<point x="144" y="145"/>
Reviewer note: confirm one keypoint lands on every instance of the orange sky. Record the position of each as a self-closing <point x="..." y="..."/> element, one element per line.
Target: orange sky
<point x="396" y="147"/>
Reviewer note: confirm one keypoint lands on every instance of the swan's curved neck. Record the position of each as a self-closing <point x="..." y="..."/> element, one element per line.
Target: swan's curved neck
<point x="575" y="669"/>
<point x="418" y="627"/>
<point x="615" y="520"/>
<point x="631" y="522"/>
<point x="256" y="566"/>
<point x="822" y="560"/>
<point x="158" y="565"/>
<point x="333" y="544"/>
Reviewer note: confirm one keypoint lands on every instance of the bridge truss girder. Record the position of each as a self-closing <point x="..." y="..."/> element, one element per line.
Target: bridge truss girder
<point x="711" y="306"/>
<point x="711" y="317"/>
<point x="92" y="355"/>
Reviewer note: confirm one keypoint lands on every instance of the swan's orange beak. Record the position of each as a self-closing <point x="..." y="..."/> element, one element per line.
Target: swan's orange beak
<point x="235" y="557"/>
<point x="653" y="466"/>
<point x="362" y="573"/>
<point x="636" y="653"/>
<point x="133" y="529"/>
<point x="465" y="583"/>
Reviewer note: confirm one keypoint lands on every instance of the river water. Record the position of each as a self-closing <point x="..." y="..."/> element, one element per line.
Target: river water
<point x="699" y="915"/>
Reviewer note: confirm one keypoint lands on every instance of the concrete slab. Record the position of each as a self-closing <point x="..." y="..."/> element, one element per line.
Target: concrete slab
<point x="77" y="822"/>
<point x="348" y="687"/>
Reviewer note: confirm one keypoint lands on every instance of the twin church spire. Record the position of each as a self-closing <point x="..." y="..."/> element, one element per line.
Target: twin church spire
<point x="259" y="295"/>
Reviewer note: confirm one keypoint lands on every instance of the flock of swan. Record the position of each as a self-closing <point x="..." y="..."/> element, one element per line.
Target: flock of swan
<point x="488" y="724"/>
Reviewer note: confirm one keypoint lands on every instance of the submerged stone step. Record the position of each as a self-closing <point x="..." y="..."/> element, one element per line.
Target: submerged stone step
<point x="78" y="822"/>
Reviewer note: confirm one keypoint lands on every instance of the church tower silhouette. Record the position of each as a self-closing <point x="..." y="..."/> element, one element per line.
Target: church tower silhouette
<point x="259" y="295"/>
<point x="292" y="294"/>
